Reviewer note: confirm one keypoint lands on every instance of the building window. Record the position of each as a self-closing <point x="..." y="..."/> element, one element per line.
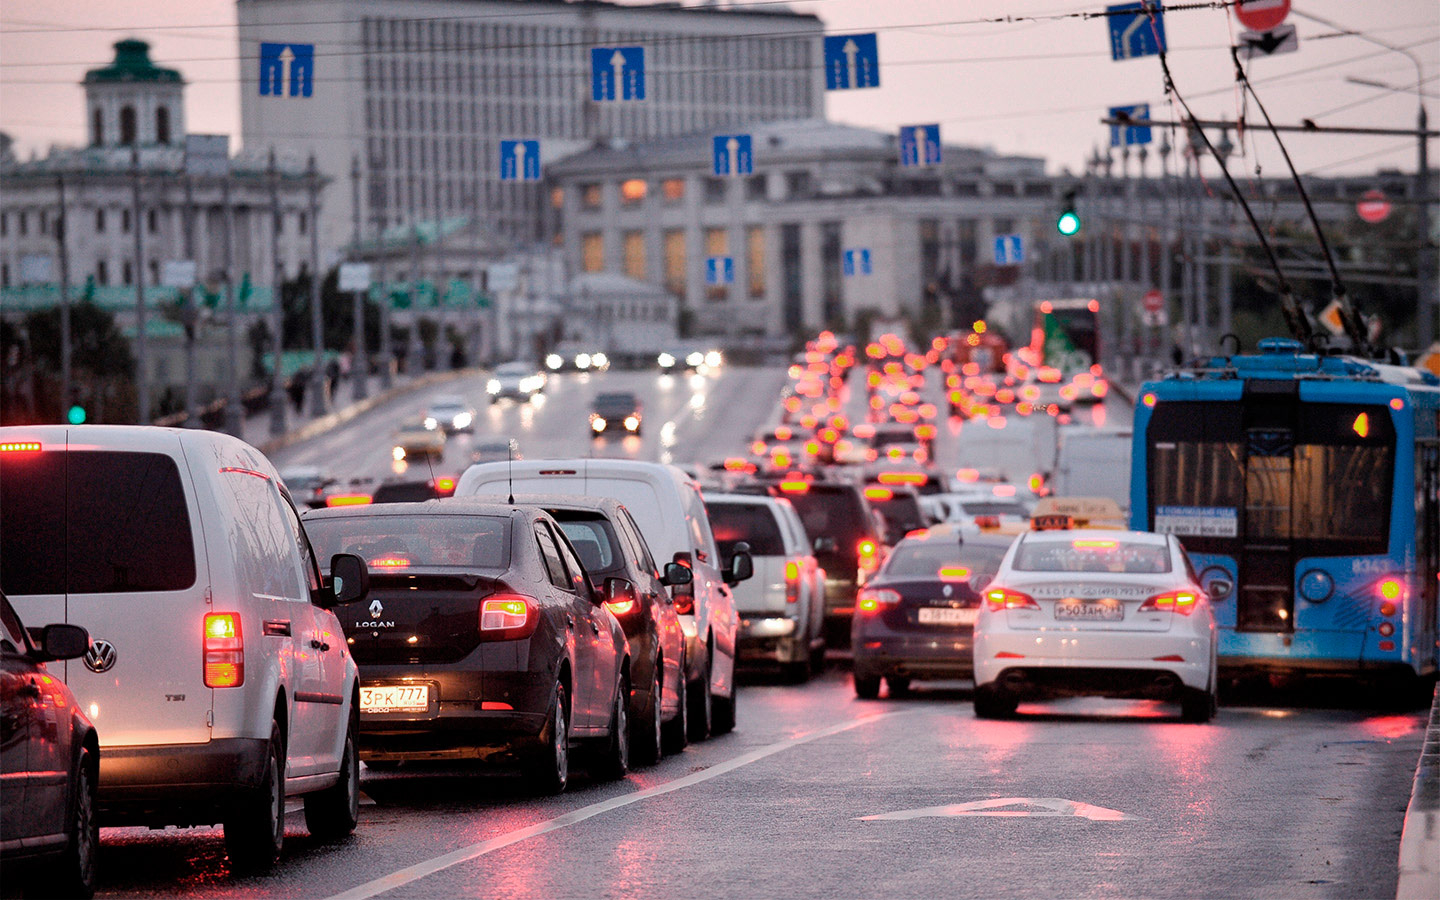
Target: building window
<point x="4" y="224"/>
<point x="590" y="196"/>
<point x="1004" y="226"/>
<point x="592" y="251"/>
<point x="97" y="128"/>
<point x="755" y="187"/>
<point x="633" y="243"/>
<point x="633" y="191"/>
<point x="714" y="190"/>
<point x="125" y="220"/>
<point x="102" y="272"/>
<point x="797" y="185"/>
<point x="303" y="223"/>
<point x="154" y="221"/>
<point x="279" y="223"/>
<point x="154" y="271"/>
<point x="24" y="222"/>
<point x="127" y="125"/>
<point x="557" y="198"/>
<point x="673" y="190"/>
<point x="755" y="260"/>
<point x="717" y="243"/>
<point x="675" y="261"/>
<point x="4" y="275"/>
<point x="127" y="273"/>
<point x="99" y="221"/>
<point x="162" y="125"/>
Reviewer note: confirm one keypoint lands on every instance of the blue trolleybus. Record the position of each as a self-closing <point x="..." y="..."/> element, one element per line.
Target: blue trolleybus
<point x="1307" y="491"/>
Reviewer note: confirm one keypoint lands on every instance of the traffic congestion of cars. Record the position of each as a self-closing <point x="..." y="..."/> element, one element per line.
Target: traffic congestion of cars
<point x="538" y="615"/>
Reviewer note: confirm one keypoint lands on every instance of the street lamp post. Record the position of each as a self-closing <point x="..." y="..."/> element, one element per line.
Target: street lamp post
<point x="318" y="399"/>
<point x="278" y="418"/>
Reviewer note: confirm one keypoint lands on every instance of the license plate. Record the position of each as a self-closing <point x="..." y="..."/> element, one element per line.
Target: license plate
<point x="945" y="616"/>
<point x="395" y="698"/>
<point x="1090" y="612"/>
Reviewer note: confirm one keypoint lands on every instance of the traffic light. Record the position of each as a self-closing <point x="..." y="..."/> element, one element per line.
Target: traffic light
<point x="75" y="415"/>
<point x="1068" y="222"/>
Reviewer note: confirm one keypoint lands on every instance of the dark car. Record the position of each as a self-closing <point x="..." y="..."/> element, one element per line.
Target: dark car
<point x="308" y="484"/>
<point x="49" y="764"/>
<point x="414" y="490"/>
<point x="899" y="506"/>
<point x="916" y="618"/>
<point x="615" y="411"/>
<point x="483" y="639"/>
<point x="615" y="555"/>
<point x="847" y="541"/>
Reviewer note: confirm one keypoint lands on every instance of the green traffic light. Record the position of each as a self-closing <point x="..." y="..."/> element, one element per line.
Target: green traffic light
<point x="1069" y="223"/>
<point x="76" y="415"/>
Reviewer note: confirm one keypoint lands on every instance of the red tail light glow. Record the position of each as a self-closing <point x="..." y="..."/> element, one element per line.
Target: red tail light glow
<point x="1390" y="588"/>
<point x="20" y="447"/>
<point x="870" y="600"/>
<point x="507" y="617"/>
<point x="347" y="500"/>
<point x="879" y="493"/>
<point x="792" y="582"/>
<point x="1004" y="598"/>
<point x="1182" y="602"/>
<point x="620" y="607"/>
<point x="224" y="646"/>
<point x="954" y="573"/>
<point x="794" y="485"/>
<point x="902" y="478"/>
<point x="389" y="562"/>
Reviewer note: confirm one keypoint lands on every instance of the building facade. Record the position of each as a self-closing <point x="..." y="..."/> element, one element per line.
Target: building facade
<point x="419" y="93"/>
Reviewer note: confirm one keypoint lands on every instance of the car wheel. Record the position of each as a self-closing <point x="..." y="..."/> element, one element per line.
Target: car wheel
<point x="332" y="813"/>
<point x="898" y="685"/>
<point x="697" y="697"/>
<point x="614" y="762"/>
<point x="74" y="875"/>
<point x="255" y="825"/>
<point x="817" y="660"/>
<point x="647" y="740"/>
<point x="797" y="672"/>
<point x="675" y="734"/>
<point x="552" y="766"/>
<point x="993" y="703"/>
<point x="725" y="710"/>
<point x="867" y="687"/>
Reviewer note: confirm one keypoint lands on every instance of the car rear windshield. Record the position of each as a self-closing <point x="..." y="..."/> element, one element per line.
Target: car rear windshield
<point x="934" y="559"/>
<point x="404" y="492"/>
<point x="593" y="538"/>
<point x="839" y="513"/>
<point x="994" y="508"/>
<point x="93" y="522"/>
<point x="1081" y="554"/>
<point x="749" y="522"/>
<point x="388" y="543"/>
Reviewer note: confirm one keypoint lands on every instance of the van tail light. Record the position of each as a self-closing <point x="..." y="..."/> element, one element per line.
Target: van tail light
<point x="1004" y="598"/>
<point x="869" y="553"/>
<point x="1182" y="602"/>
<point x="1391" y="588"/>
<point x="870" y="600"/>
<point x="507" y="617"/>
<point x="224" y="651"/>
<point x="792" y="582"/>
<point x="620" y="607"/>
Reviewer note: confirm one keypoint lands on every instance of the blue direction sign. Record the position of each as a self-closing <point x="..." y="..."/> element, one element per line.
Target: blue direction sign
<point x="1009" y="249"/>
<point x="719" y="270"/>
<point x="617" y="73"/>
<point x="857" y="261"/>
<point x="732" y="154"/>
<point x="1132" y="34"/>
<point x="852" y="61"/>
<point x="287" y="70"/>
<point x="1130" y="134"/>
<point x="919" y="145"/>
<point x="519" y="160"/>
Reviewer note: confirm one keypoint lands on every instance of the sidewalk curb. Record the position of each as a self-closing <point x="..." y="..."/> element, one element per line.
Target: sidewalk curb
<point x="317" y="427"/>
<point x="1420" y="839"/>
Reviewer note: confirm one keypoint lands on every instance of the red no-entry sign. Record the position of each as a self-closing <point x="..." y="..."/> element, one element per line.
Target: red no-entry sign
<point x="1261" y="15"/>
<point x="1153" y="301"/>
<point x="1373" y="207"/>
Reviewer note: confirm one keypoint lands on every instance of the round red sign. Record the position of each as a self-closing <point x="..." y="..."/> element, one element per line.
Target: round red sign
<point x="1261" y="15"/>
<point x="1373" y="207"/>
<point x="1153" y="301"/>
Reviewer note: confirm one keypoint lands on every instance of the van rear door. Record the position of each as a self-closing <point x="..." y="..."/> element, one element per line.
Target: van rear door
<point x="112" y="535"/>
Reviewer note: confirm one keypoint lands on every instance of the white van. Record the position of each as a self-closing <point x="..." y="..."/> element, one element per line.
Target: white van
<point x="667" y="505"/>
<point x="1094" y="462"/>
<point x="218" y="678"/>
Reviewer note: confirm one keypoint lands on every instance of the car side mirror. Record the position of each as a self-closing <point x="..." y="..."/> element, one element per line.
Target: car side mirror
<point x="741" y="565"/>
<point x="618" y="591"/>
<point x="825" y="545"/>
<point x="1219" y="588"/>
<point x="63" y="642"/>
<point x="676" y="574"/>
<point x="349" y="578"/>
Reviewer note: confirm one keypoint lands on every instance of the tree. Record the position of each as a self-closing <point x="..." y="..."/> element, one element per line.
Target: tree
<point x="102" y="369"/>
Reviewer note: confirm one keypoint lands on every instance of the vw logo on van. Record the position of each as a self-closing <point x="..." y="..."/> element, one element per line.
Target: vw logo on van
<point x="101" y="657"/>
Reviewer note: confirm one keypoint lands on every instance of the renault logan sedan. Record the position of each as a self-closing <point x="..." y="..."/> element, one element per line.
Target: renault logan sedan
<point x="1099" y="613"/>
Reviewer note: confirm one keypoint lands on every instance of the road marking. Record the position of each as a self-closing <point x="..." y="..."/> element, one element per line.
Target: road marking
<point x="1031" y="807"/>
<point x="413" y="873"/>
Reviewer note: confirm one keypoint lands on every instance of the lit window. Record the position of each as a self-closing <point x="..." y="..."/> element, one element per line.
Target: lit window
<point x="633" y="191"/>
<point x="673" y="189"/>
<point x="592" y="251"/>
<point x="675" y="261"/>
<point x="557" y="198"/>
<point x="633" y="243"/>
<point x="590" y="196"/>
<point x="755" y="260"/>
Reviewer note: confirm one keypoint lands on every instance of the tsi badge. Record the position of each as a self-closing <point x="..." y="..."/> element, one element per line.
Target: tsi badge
<point x="101" y="656"/>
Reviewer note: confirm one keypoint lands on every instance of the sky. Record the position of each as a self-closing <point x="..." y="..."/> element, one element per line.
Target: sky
<point x="1028" y="77"/>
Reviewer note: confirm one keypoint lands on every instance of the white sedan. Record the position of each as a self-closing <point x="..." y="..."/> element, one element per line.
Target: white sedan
<point x="1095" y="613"/>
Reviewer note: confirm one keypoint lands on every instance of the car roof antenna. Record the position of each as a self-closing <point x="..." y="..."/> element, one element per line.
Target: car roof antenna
<point x="510" y="470"/>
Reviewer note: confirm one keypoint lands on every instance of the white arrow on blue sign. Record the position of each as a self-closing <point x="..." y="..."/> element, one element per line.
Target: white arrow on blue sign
<point x="852" y="61"/>
<point x="719" y="270"/>
<point x="732" y="154"/>
<point x="857" y="262"/>
<point x="519" y="160"/>
<point x="1129" y="135"/>
<point x="1009" y="249"/>
<point x="920" y="145"/>
<point x="617" y="73"/>
<point x="287" y="70"/>
<point x="1132" y="33"/>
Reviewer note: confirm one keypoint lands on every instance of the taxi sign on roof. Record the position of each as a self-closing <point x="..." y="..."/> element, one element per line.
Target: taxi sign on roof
<point x="1052" y="513"/>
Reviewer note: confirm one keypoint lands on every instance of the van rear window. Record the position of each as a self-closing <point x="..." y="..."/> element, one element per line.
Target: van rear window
<point x="749" y="522"/>
<point x="96" y="522"/>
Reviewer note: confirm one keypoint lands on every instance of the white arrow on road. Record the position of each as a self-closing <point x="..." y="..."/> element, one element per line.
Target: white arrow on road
<point x="1009" y="807"/>
<point x="617" y="63"/>
<point x="287" y="59"/>
<point x="732" y="146"/>
<point x="850" y="50"/>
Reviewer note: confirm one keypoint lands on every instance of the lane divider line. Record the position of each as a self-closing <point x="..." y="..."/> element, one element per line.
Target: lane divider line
<point x="402" y="877"/>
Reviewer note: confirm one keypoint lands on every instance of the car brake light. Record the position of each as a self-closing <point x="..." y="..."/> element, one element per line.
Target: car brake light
<point x="792" y="582"/>
<point x="1182" y="602"/>
<point x="792" y="486"/>
<point x="224" y="646"/>
<point x="1390" y="588"/>
<point x="620" y="607"/>
<point x="348" y="500"/>
<point x="954" y="573"/>
<point x="1003" y="598"/>
<point x="871" y="599"/>
<point x="507" y="617"/>
<point x="389" y="562"/>
<point x="902" y="478"/>
<point x="445" y="485"/>
<point x="20" y="447"/>
<point x="879" y="493"/>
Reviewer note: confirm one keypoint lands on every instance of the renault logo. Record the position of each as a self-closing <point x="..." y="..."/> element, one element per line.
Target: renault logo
<point x="376" y="609"/>
<point x="101" y="657"/>
<point x="949" y="590"/>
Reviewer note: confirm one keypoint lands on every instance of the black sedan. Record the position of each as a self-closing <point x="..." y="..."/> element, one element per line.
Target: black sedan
<point x="49" y="764"/>
<point x="615" y="554"/>
<point x="916" y="618"/>
<point x="482" y="640"/>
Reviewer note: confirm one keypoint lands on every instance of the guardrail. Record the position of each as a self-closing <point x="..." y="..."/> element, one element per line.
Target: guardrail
<point x="1420" y="839"/>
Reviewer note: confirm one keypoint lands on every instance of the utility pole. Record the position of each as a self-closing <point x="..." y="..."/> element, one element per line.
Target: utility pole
<point x="318" y="404"/>
<point x="359" y="359"/>
<point x="65" y="349"/>
<point x="1166" y="250"/>
<point x="278" y="418"/>
<point x="142" y="357"/>
<point x="387" y="358"/>
<point x="191" y="312"/>
<point x="234" y="412"/>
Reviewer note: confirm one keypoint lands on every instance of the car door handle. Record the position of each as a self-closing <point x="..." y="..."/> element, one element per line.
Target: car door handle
<point x="318" y="645"/>
<point x="569" y="621"/>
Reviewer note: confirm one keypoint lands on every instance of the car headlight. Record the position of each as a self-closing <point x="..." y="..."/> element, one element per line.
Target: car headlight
<point x="462" y="420"/>
<point x="600" y="360"/>
<point x="492" y="386"/>
<point x="554" y="361"/>
<point x="430" y="423"/>
<point x="597" y="423"/>
<point x="712" y="359"/>
<point x="582" y="360"/>
<point x="398" y="453"/>
<point x="665" y="360"/>
<point x="632" y="423"/>
<point x="695" y="359"/>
